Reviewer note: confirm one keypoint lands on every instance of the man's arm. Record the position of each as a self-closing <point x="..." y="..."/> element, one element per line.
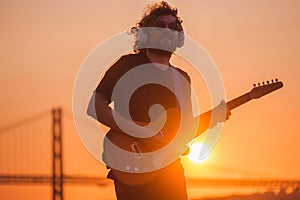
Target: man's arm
<point x="104" y="112"/>
<point x="100" y="110"/>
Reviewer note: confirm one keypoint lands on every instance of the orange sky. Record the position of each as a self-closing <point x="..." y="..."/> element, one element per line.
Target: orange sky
<point x="43" y="44"/>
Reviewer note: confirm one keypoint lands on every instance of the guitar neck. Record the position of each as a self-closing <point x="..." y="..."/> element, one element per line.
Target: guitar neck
<point x="238" y="101"/>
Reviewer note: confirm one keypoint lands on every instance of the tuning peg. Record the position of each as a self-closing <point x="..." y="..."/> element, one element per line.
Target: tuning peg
<point x="268" y="82"/>
<point x="258" y="84"/>
<point x="254" y="85"/>
<point x="272" y="81"/>
<point x="263" y="83"/>
<point x="276" y="80"/>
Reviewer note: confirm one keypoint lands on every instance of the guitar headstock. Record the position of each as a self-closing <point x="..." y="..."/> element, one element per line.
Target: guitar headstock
<point x="264" y="88"/>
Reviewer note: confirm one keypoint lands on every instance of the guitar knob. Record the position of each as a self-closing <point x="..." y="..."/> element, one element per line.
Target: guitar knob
<point x="136" y="169"/>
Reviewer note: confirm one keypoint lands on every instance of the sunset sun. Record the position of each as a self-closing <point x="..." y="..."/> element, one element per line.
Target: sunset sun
<point x="198" y="152"/>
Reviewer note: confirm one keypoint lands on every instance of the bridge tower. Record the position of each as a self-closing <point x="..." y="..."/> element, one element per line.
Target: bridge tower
<point x="57" y="161"/>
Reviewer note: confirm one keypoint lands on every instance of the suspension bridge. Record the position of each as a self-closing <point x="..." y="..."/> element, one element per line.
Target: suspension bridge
<point x="32" y="152"/>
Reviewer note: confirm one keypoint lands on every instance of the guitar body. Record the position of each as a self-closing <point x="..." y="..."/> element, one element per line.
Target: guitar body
<point x="130" y="174"/>
<point x="136" y="163"/>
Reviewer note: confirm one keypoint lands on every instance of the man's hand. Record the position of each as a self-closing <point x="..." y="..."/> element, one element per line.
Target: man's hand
<point x="219" y="114"/>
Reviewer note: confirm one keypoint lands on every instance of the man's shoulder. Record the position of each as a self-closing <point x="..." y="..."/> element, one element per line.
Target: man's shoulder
<point x="133" y="57"/>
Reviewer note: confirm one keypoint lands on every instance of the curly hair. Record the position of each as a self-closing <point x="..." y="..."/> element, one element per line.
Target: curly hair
<point x="151" y="13"/>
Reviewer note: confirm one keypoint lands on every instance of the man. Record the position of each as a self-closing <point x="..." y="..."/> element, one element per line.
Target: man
<point x="153" y="50"/>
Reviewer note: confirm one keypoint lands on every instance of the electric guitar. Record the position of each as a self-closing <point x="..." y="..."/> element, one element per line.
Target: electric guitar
<point x="135" y="164"/>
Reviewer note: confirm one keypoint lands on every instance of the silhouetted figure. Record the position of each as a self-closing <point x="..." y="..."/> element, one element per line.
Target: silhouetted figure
<point x="167" y="182"/>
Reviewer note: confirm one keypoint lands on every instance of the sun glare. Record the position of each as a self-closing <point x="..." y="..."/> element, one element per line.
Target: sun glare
<point x="198" y="152"/>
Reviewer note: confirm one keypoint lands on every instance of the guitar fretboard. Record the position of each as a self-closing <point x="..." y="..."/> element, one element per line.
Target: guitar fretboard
<point x="238" y="101"/>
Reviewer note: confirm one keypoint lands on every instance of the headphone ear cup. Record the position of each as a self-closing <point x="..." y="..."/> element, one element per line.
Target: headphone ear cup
<point x="141" y="38"/>
<point x="180" y="39"/>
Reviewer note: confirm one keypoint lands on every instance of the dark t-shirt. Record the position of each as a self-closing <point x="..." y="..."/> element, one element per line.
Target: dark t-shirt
<point x="149" y="92"/>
